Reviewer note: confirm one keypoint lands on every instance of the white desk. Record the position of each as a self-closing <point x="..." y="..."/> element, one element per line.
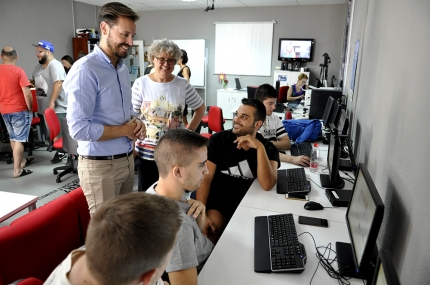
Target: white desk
<point x="12" y="203"/>
<point x="232" y="260"/>
<point x="270" y="200"/>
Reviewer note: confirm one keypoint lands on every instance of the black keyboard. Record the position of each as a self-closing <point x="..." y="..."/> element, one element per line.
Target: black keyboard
<point x="292" y="181"/>
<point x="304" y="148"/>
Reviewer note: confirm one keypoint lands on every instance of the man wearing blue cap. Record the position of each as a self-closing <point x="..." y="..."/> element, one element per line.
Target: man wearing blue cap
<point x="48" y="77"/>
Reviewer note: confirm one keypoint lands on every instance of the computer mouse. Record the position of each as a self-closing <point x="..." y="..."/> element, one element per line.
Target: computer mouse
<point x="312" y="206"/>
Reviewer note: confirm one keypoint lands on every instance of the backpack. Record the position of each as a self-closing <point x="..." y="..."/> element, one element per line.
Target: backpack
<point x="302" y="130"/>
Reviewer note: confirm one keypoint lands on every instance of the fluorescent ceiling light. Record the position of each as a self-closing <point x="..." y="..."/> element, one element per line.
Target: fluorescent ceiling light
<point x="189" y="0"/>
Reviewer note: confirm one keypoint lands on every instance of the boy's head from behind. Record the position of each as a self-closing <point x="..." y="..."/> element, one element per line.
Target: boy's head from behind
<point x="131" y="236"/>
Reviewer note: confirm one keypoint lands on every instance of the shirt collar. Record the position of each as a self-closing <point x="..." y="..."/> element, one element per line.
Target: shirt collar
<point x="101" y="53"/>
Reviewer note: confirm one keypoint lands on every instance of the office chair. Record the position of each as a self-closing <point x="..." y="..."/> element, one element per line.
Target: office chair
<point x="282" y="94"/>
<point x="35" y="122"/>
<point x="5" y="155"/>
<point x="205" y="120"/>
<point x="251" y="91"/>
<point x="53" y="125"/>
<point x="215" y="121"/>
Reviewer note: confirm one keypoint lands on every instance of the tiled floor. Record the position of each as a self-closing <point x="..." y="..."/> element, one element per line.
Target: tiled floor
<point x="42" y="181"/>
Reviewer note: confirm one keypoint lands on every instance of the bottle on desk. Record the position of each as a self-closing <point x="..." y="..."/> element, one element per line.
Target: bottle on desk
<point x="288" y="115"/>
<point x="313" y="167"/>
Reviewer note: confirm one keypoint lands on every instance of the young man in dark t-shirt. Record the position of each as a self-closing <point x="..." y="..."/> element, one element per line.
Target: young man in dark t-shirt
<point x="235" y="158"/>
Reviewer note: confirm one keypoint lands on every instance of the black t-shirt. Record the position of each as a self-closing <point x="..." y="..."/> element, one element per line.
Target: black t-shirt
<point x="235" y="172"/>
<point x="181" y="75"/>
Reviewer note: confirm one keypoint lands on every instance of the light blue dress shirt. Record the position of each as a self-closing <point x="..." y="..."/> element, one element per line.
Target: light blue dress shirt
<point x="98" y="95"/>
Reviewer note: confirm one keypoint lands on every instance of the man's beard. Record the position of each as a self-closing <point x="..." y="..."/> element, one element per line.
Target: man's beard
<point x="43" y="59"/>
<point x="115" y="49"/>
<point x="244" y="131"/>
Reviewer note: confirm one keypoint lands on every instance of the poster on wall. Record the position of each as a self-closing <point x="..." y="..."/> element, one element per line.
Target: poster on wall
<point x="354" y="68"/>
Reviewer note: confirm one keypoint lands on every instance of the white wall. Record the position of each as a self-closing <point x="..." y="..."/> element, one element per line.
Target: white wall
<point x="391" y="133"/>
<point x="324" y="23"/>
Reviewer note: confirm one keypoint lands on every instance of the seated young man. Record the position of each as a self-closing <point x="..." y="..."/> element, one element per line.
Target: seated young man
<point x="125" y="243"/>
<point x="236" y="158"/>
<point x="181" y="157"/>
<point x="273" y="129"/>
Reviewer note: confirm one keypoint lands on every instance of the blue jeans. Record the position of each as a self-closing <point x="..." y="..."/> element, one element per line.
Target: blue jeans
<point x="18" y="125"/>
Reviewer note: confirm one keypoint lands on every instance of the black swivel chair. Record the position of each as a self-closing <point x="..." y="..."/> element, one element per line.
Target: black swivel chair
<point x="6" y="154"/>
<point x="251" y="91"/>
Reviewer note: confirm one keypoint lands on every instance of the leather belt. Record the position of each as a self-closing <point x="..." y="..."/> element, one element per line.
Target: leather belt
<point x="109" y="157"/>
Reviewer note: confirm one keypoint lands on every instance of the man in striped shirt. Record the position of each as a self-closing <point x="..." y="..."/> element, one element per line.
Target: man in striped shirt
<point x="273" y="129"/>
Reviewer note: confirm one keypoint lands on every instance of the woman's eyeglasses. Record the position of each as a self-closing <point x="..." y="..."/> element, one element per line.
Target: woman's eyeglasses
<point x="163" y="60"/>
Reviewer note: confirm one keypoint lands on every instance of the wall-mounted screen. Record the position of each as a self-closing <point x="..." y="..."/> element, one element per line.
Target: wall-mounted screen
<point x="295" y="49"/>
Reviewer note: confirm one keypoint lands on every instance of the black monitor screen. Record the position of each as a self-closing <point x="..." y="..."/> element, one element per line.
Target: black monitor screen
<point x="363" y="219"/>
<point x="343" y="123"/>
<point x="319" y="99"/>
<point x="333" y="180"/>
<point x="328" y="110"/>
<point x="334" y="118"/>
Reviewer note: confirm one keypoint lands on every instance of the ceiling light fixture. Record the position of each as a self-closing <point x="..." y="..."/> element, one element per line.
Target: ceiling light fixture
<point x="189" y="0"/>
<point x="208" y="7"/>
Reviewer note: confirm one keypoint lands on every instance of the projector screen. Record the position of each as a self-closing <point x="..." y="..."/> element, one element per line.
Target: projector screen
<point x="244" y="48"/>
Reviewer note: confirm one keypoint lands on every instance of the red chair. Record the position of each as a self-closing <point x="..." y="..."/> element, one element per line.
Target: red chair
<point x="215" y="121"/>
<point x="282" y="95"/>
<point x="54" y="128"/>
<point x="205" y="120"/>
<point x="30" y="281"/>
<point x="34" y="244"/>
<point x="35" y="122"/>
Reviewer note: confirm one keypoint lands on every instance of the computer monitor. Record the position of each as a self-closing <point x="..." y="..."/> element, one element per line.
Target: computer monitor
<point x="385" y="272"/>
<point x="343" y="123"/>
<point x="328" y="110"/>
<point x="334" y="118"/>
<point x="363" y="219"/>
<point x="333" y="179"/>
<point x="319" y="99"/>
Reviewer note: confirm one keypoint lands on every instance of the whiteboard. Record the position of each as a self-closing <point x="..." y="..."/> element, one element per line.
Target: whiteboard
<point x="196" y="60"/>
<point x="237" y="43"/>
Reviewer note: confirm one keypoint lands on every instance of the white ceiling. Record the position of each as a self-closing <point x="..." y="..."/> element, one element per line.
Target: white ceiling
<point x="155" y="5"/>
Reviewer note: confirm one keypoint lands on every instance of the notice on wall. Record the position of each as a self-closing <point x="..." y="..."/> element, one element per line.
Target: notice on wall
<point x="354" y="68"/>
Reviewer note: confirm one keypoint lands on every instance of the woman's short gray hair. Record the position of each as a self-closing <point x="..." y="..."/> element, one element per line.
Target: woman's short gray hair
<point x="166" y="45"/>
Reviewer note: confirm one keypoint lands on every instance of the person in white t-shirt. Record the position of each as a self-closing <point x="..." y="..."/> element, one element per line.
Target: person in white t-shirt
<point x="129" y="241"/>
<point x="273" y="129"/>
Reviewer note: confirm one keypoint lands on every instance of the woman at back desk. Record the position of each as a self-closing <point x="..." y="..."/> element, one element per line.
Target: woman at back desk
<point x="297" y="92"/>
<point x="185" y="72"/>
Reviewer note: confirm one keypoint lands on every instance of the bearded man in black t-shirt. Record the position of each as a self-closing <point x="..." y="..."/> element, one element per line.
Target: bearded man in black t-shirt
<point x="235" y="158"/>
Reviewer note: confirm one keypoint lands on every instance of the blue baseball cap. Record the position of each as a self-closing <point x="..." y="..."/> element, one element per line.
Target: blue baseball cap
<point x="46" y="45"/>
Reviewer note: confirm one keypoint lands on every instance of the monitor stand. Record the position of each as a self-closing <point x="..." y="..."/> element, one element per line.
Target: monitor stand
<point x="345" y="260"/>
<point x="338" y="183"/>
<point x="347" y="266"/>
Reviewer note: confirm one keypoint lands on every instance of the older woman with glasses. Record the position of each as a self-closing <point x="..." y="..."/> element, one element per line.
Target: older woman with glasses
<point x="159" y="98"/>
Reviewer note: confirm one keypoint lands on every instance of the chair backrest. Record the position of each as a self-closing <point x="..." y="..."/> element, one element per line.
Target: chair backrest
<point x="34" y="244"/>
<point x="215" y="119"/>
<point x="251" y="91"/>
<point x="52" y="122"/>
<point x="35" y="104"/>
<point x="69" y="145"/>
<point x="282" y="94"/>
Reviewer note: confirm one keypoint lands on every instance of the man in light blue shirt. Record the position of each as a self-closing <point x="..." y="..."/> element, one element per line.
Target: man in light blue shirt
<point x="100" y="115"/>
